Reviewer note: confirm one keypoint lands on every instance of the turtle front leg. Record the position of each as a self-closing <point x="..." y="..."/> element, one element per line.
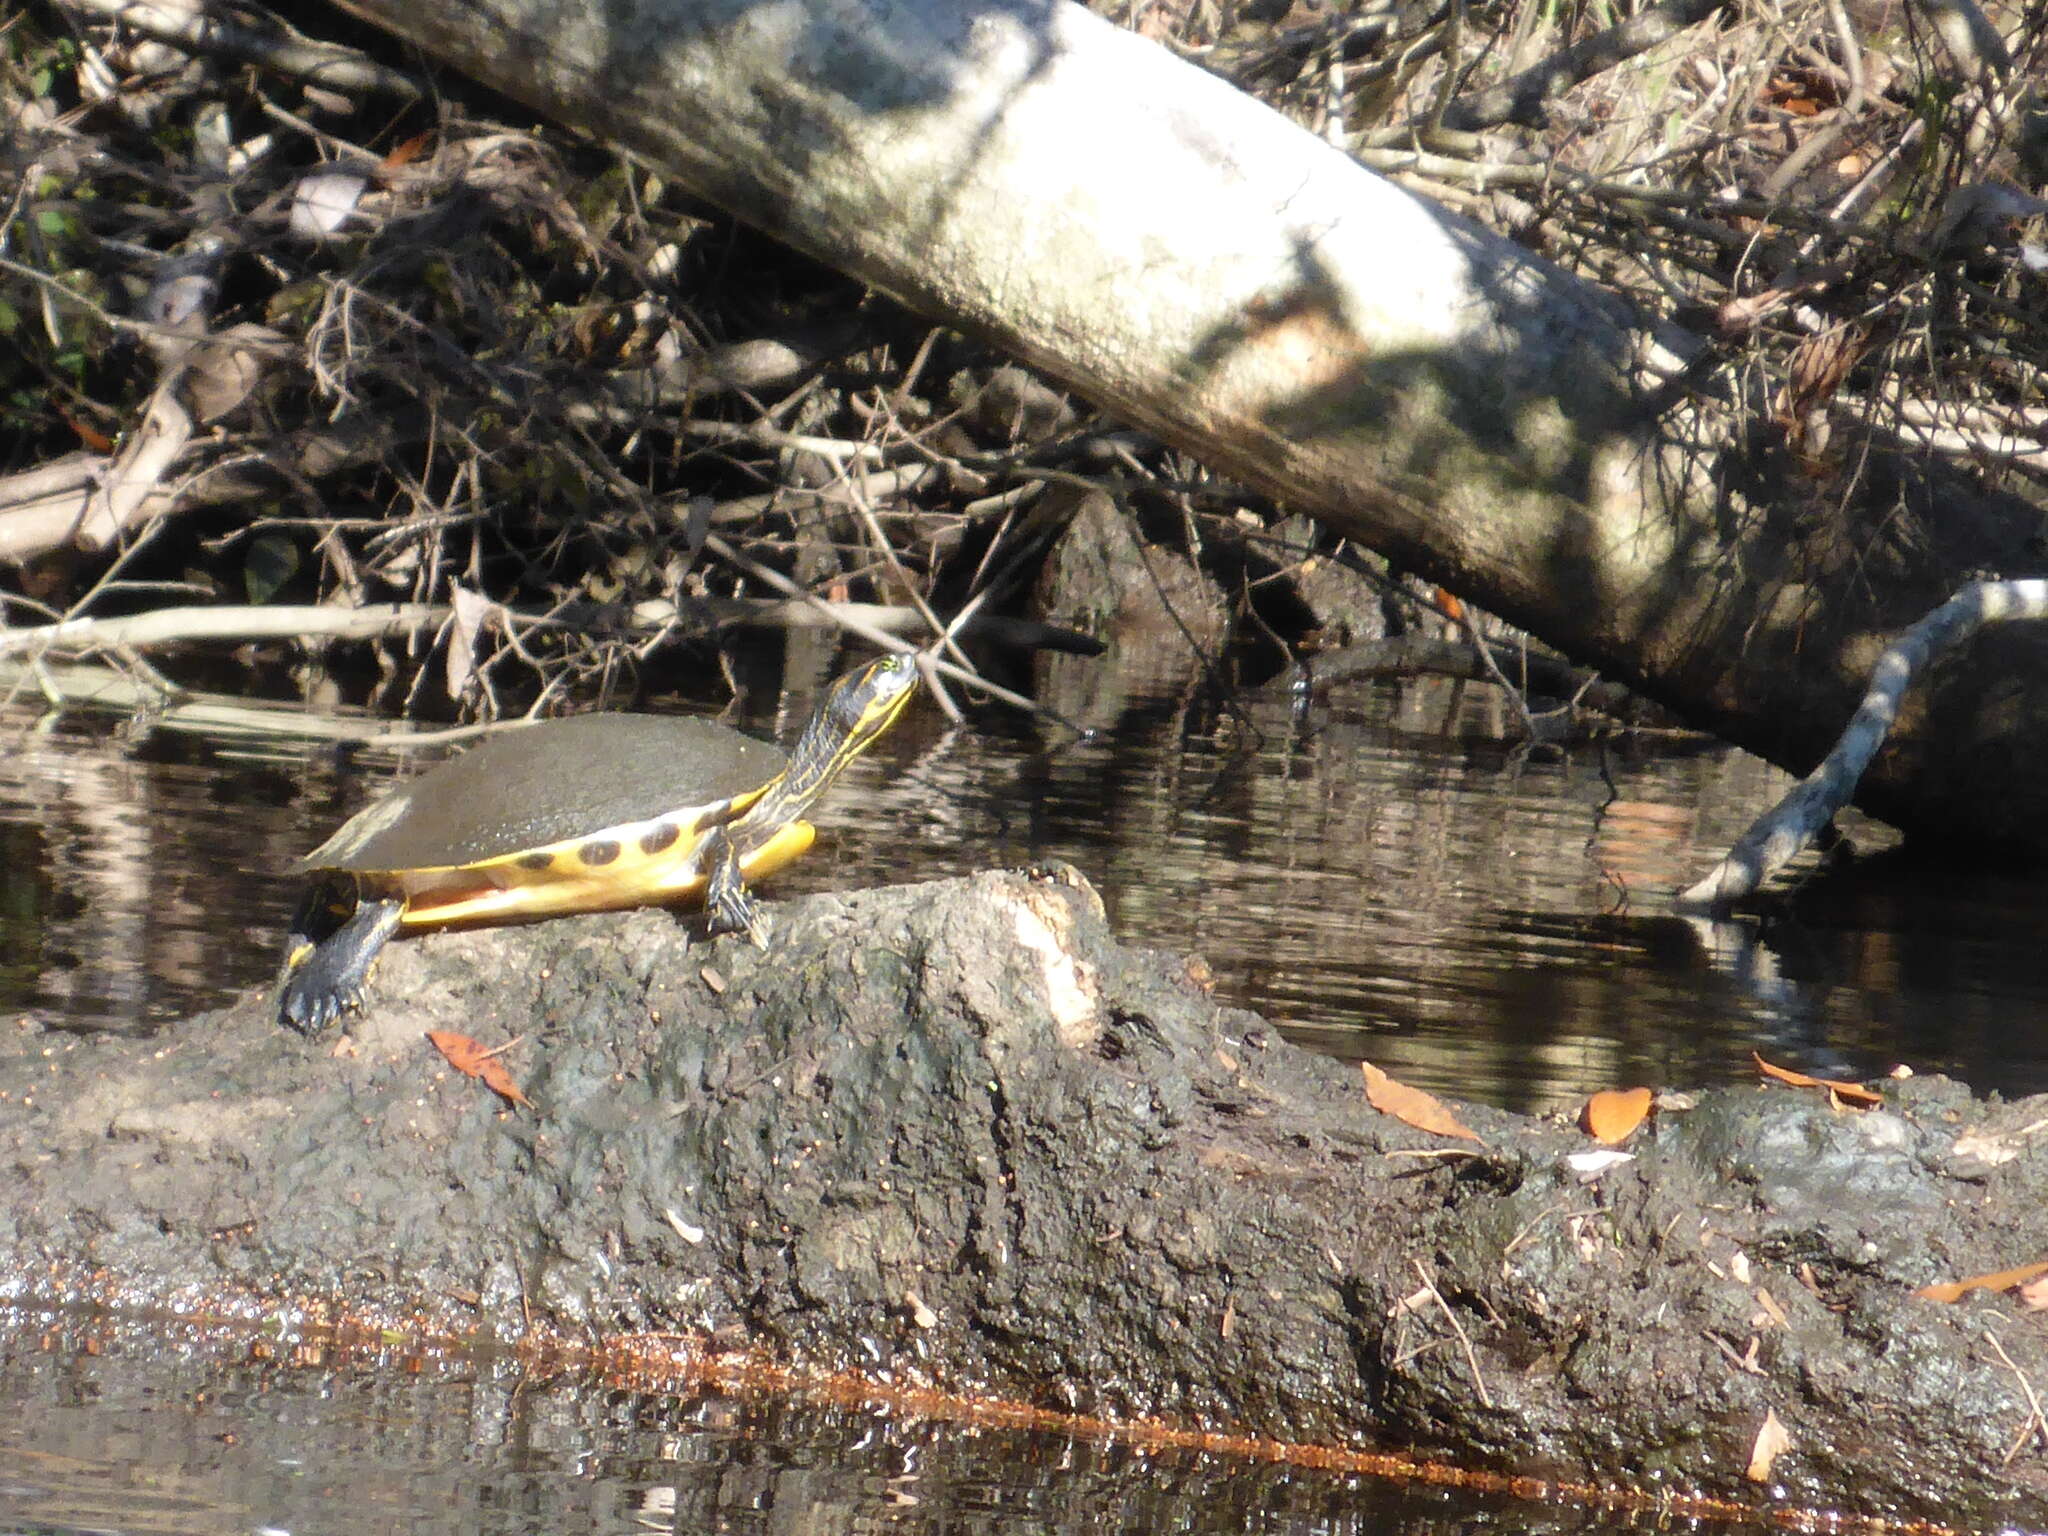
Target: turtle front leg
<point x="322" y="979"/>
<point x="726" y="900"/>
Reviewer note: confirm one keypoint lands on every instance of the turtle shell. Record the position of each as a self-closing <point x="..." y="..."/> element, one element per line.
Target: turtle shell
<point x="549" y="783"/>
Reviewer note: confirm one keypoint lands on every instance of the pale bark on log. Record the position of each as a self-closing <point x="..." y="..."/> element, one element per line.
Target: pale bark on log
<point x="1199" y="266"/>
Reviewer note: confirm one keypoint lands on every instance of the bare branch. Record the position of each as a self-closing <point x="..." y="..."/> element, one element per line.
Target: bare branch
<point x="186" y="24"/>
<point x="1781" y="832"/>
<point x="169" y="626"/>
<point x="1523" y="99"/>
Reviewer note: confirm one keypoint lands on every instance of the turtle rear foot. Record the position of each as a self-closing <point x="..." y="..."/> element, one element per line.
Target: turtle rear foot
<point x="319" y="982"/>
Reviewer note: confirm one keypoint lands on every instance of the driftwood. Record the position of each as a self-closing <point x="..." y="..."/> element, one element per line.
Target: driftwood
<point x="1203" y="268"/>
<point x="954" y="1134"/>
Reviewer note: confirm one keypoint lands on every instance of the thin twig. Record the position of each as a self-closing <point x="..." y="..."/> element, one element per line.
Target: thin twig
<point x="1464" y="1343"/>
<point x="2036" y="1424"/>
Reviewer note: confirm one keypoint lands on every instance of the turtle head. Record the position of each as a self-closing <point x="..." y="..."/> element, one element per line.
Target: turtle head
<point x="857" y="709"/>
<point x="866" y="702"/>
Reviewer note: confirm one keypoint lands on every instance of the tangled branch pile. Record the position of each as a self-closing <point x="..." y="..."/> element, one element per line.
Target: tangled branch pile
<point x="288" y="328"/>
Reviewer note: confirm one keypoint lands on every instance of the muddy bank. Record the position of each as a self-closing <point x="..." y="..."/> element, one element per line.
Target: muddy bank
<point x="953" y="1132"/>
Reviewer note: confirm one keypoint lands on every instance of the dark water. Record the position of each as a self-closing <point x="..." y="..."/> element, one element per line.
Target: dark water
<point x="1383" y="874"/>
<point x="134" y="1438"/>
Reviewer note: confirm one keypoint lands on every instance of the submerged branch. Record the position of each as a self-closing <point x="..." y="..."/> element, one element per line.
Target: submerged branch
<point x="1781" y="832"/>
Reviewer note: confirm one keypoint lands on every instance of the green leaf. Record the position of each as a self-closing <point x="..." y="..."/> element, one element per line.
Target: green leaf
<point x="273" y="561"/>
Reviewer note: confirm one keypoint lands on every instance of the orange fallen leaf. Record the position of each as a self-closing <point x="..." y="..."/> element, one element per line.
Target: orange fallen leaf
<point x="1411" y="1106"/>
<point x="93" y="438"/>
<point x="1841" y="1092"/>
<point x="1612" y="1116"/>
<point x="1772" y="1441"/>
<point x="480" y="1062"/>
<point x="406" y="153"/>
<point x="1448" y="605"/>
<point x="1998" y="1280"/>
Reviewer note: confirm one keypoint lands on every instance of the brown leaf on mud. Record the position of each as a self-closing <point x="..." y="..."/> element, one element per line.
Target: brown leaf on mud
<point x="1612" y="1115"/>
<point x="1772" y="1441"/>
<point x="1411" y="1106"/>
<point x="1997" y="1280"/>
<point x="1840" y="1092"/>
<point x="473" y="1060"/>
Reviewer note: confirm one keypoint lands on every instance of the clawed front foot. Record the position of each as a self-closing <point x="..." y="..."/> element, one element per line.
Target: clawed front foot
<point x="734" y="911"/>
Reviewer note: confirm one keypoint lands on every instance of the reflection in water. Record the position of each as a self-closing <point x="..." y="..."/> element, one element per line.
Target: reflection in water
<point x="1381" y="875"/>
<point x="134" y="1438"/>
<point x="125" y="895"/>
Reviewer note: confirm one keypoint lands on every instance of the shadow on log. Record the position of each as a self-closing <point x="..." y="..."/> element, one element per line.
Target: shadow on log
<point x="954" y="1133"/>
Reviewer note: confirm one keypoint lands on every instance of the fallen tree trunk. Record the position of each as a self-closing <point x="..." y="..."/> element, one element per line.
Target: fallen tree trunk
<point x="953" y="1133"/>
<point x="1198" y="265"/>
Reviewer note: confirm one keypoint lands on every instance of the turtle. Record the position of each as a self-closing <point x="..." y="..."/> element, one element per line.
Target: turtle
<point x="590" y="813"/>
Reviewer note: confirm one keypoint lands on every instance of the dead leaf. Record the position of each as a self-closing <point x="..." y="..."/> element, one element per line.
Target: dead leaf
<point x="225" y="371"/>
<point x="93" y="438"/>
<point x="2034" y="1295"/>
<point x="1611" y="1116"/>
<point x="1816" y="369"/>
<point x="1840" y="1092"/>
<point x="1772" y="1441"/>
<point x="1986" y="1149"/>
<point x="1998" y="1280"/>
<point x="405" y="153"/>
<point x="322" y="203"/>
<point x="1411" y="1106"/>
<point x="480" y="1062"/>
<point x="1589" y="1166"/>
<point x="472" y="612"/>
